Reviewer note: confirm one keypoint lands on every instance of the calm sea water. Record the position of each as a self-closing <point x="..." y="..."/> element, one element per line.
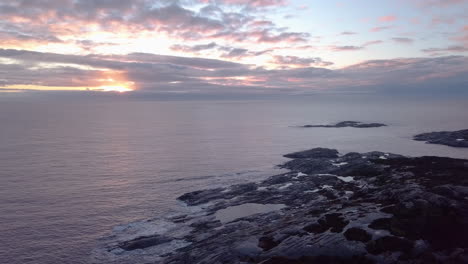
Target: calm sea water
<point x="71" y="171"/>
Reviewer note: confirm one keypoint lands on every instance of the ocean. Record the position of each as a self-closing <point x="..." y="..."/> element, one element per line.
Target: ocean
<point x="75" y="171"/>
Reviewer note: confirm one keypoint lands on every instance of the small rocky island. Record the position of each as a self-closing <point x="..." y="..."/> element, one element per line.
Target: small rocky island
<point x="457" y="139"/>
<point x="329" y="208"/>
<point x="354" y="124"/>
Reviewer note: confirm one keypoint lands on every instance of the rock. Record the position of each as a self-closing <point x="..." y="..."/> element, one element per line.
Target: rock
<point x="314" y="153"/>
<point x="381" y="224"/>
<point x="320" y="260"/>
<point x="389" y="243"/>
<point x="457" y="139"/>
<point x="334" y="221"/>
<point x="267" y="243"/>
<point x="247" y="249"/>
<point x="143" y="242"/>
<point x="357" y="234"/>
<point x="316" y="228"/>
<point x="354" y="124"/>
<point x="394" y="209"/>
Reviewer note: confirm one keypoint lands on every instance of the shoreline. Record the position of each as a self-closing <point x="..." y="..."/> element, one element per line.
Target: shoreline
<point x="355" y="208"/>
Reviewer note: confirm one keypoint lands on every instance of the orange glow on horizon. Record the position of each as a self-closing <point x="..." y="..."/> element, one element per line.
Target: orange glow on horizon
<point x="106" y="88"/>
<point x="114" y="88"/>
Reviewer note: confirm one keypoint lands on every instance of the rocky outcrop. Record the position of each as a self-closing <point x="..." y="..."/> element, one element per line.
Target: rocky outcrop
<point x="355" y="208"/>
<point x="355" y="124"/>
<point x="457" y="139"/>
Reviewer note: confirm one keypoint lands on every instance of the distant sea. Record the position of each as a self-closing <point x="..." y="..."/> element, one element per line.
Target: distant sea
<point x="73" y="170"/>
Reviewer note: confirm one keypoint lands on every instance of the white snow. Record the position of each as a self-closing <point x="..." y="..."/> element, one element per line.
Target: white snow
<point x="285" y="186"/>
<point x="339" y="164"/>
<point x="346" y="179"/>
<point x="234" y="212"/>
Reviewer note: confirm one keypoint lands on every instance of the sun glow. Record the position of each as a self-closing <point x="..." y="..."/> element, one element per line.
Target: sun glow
<point x="115" y="88"/>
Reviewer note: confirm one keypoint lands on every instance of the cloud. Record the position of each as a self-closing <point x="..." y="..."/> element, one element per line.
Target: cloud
<point x="373" y="42"/>
<point x="169" y="74"/>
<point x="389" y="18"/>
<point x="354" y="48"/>
<point x="403" y="40"/>
<point x="463" y="36"/>
<point x="378" y="29"/>
<point x="437" y="20"/>
<point x="71" y="21"/>
<point x="348" y="33"/>
<point x="250" y="3"/>
<point x="261" y="24"/>
<point x="289" y="37"/>
<point x="294" y="61"/>
<point x="346" y="48"/>
<point x="227" y="52"/>
<point x="436" y="51"/>
<point x="460" y="44"/>
<point x="195" y="48"/>
<point x="440" y="3"/>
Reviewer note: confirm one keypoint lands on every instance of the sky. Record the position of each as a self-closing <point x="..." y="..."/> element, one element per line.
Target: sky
<point x="234" y="46"/>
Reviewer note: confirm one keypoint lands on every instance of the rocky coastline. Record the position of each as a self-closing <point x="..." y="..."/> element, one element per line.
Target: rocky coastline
<point x="342" y="124"/>
<point x="457" y="139"/>
<point x="329" y="208"/>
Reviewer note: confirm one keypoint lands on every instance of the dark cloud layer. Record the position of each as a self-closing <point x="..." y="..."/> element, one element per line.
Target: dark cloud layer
<point x="169" y="74"/>
<point x="231" y="30"/>
<point x="37" y="20"/>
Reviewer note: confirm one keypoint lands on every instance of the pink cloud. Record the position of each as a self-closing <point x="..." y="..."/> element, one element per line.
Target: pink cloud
<point x="374" y="42"/>
<point x="354" y="48"/>
<point x="348" y="33"/>
<point x="403" y="40"/>
<point x="33" y="22"/>
<point x="463" y="37"/>
<point x="156" y="73"/>
<point x="389" y="18"/>
<point x="443" y="20"/>
<point x="261" y="23"/>
<point x="346" y="48"/>
<point x="253" y="3"/>
<point x="378" y="29"/>
<point x="440" y="3"/>
<point x="294" y="61"/>
<point x="449" y="49"/>
<point x="415" y="21"/>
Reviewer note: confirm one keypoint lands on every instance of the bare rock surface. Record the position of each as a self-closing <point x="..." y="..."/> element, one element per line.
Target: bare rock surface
<point x="457" y="139"/>
<point x="355" y="208"/>
<point x="355" y="124"/>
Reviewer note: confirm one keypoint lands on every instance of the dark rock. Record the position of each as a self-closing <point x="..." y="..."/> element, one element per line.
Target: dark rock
<point x="381" y="224"/>
<point x="334" y="221"/>
<point x="314" y="153"/>
<point x="267" y="243"/>
<point x="357" y="234"/>
<point x="389" y="243"/>
<point x="419" y="205"/>
<point x="457" y="139"/>
<point x="348" y="124"/>
<point x="320" y="260"/>
<point x="143" y="242"/>
<point x="316" y="228"/>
